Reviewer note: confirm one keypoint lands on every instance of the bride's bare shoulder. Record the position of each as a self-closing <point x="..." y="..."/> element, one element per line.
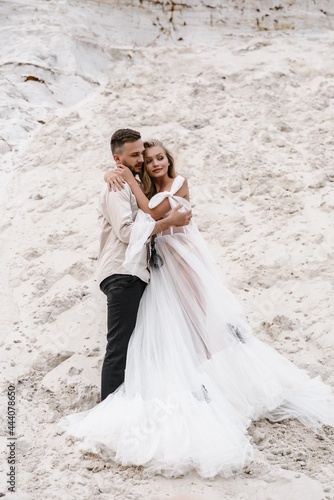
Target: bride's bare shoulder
<point x="183" y="192"/>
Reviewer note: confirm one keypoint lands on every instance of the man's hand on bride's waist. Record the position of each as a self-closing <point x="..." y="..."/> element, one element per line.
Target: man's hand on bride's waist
<point x="178" y="217"/>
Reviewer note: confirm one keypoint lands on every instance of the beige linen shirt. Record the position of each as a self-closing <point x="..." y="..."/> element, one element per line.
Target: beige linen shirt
<point x="118" y="210"/>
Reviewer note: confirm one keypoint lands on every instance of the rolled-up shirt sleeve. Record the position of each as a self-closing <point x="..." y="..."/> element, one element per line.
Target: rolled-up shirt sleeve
<point x="119" y="212"/>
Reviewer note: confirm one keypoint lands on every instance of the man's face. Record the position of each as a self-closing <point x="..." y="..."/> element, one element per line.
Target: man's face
<point x="132" y="156"/>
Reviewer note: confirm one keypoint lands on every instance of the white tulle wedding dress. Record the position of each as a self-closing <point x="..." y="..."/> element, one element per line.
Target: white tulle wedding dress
<point x="195" y="375"/>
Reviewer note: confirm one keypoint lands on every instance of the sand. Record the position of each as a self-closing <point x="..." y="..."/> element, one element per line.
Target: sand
<point x="243" y="95"/>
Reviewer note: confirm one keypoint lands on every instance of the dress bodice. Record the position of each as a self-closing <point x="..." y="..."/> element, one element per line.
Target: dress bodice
<point x="173" y="200"/>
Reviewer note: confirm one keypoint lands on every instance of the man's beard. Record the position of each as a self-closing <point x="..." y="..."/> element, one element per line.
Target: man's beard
<point x="133" y="169"/>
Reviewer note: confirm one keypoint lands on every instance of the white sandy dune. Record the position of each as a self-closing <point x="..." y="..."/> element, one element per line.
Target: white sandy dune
<point x="243" y="94"/>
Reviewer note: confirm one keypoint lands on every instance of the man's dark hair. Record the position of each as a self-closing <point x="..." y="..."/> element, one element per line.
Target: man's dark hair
<point x="120" y="137"/>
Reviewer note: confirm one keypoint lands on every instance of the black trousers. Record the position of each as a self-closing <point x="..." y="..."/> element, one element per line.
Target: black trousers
<point x="123" y="297"/>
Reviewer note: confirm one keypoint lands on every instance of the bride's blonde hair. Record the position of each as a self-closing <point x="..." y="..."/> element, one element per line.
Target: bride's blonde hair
<point x="148" y="186"/>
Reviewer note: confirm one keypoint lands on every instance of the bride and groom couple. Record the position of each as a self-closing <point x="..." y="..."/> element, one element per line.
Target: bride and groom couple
<point x="183" y="376"/>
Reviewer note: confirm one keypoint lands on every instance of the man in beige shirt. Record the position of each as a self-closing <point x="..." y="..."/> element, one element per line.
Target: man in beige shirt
<point x="118" y="211"/>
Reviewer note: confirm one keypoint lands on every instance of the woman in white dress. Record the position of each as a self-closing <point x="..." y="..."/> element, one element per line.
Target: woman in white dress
<point x="195" y="375"/>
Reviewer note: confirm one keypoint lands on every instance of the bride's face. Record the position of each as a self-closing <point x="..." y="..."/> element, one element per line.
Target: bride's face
<point x="156" y="162"/>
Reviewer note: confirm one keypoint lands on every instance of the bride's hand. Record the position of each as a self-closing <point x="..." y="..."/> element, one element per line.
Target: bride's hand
<point x="114" y="180"/>
<point x="124" y="172"/>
